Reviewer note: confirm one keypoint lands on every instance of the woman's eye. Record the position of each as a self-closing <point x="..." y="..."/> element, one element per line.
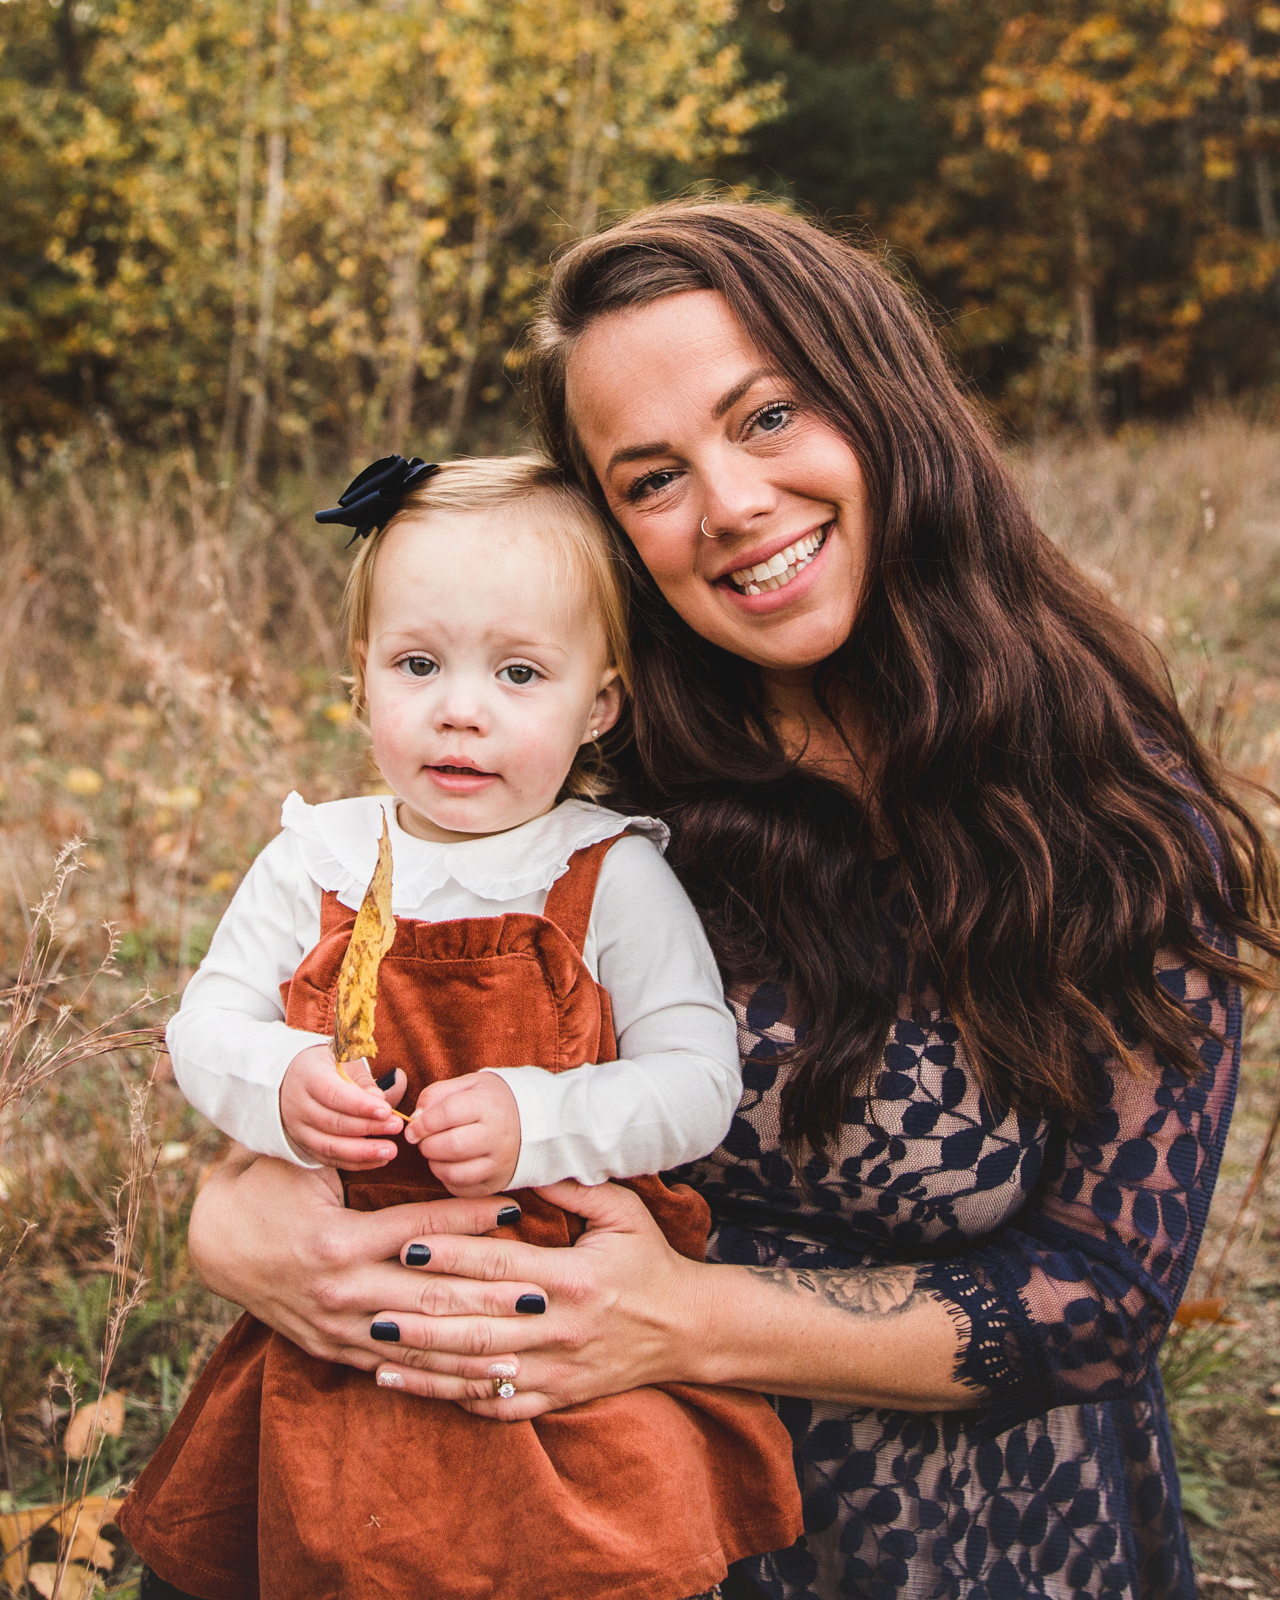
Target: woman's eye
<point x="772" y="419"/>
<point x="418" y="666"/>
<point x="651" y="483"/>
<point x="518" y="674"/>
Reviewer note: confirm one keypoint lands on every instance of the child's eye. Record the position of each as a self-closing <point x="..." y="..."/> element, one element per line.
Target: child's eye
<point x="418" y="666"/>
<point x="518" y="673"/>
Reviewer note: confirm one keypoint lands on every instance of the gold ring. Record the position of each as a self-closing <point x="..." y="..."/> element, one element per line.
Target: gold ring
<point x="503" y="1388"/>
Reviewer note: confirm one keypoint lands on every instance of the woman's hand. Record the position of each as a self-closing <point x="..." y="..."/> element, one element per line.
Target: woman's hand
<point x="622" y="1309"/>
<point x="277" y="1240"/>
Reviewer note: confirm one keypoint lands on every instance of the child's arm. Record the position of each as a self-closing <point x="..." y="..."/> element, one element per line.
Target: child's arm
<point x="233" y="1056"/>
<point x="669" y="1099"/>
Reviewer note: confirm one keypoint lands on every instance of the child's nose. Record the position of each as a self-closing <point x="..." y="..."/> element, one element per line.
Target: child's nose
<point x="461" y="711"/>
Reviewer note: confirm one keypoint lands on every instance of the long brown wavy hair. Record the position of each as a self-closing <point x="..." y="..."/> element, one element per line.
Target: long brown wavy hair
<point x="1053" y="821"/>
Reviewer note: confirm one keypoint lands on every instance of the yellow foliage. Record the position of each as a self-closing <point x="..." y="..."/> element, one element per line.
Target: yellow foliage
<point x="428" y="159"/>
<point x="82" y="781"/>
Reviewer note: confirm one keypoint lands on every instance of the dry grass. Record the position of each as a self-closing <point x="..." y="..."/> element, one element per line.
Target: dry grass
<point x="168" y="673"/>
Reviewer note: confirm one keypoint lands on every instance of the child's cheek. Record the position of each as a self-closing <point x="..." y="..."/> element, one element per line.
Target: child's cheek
<point x="392" y="733"/>
<point x="543" y="754"/>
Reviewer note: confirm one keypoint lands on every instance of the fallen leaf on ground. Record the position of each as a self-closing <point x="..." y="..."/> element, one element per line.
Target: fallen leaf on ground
<point x="18" y="1527"/>
<point x="104" y="1415"/>
<point x="78" y="1583"/>
<point x="90" y="1546"/>
<point x="1193" y="1311"/>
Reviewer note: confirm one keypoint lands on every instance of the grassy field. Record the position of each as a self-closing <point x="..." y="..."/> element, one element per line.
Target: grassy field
<point x="169" y="672"/>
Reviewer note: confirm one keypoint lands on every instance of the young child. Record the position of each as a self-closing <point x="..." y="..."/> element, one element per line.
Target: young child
<point x="550" y="1008"/>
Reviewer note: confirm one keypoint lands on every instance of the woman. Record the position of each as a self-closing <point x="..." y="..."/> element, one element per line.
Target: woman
<point x="976" y="890"/>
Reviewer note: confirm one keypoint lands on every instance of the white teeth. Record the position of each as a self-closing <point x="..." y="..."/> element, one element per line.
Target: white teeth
<point x="781" y="568"/>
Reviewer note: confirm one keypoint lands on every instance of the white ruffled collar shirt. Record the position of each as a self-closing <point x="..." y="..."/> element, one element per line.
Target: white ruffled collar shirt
<point x="339" y="844"/>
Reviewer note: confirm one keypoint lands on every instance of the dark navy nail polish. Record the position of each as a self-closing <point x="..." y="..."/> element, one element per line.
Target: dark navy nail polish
<point x="385" y="1332"/>
<point x="417" y="1255"/>
<point x="387" y="1080"/>
<point x="529" y="1305"/>
<point x="508" y="1216"/>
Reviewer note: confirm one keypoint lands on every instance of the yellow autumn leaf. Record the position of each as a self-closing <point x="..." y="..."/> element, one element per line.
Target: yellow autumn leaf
<point x="104" y="1416"/>
<point x="371" y="937"/>
<point x="78" y="1521"/>
<point x="78" y="1583"/>
<point x="82" y="781"/>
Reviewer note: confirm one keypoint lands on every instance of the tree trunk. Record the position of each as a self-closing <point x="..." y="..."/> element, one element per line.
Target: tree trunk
<point x="269" y="268"/>
<point x="1086" y="331"/>
<point x="477" y="283"/>
<point x="406" y="290"/>
<point x="64" y="26"/>
<point x="1263" y="185"/>
<point x="244" y="245"/>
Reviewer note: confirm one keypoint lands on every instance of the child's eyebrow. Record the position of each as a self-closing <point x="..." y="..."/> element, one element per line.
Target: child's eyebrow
<point x="421" y="639"/>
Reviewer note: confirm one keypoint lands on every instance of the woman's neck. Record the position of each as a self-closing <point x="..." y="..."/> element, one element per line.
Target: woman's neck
<point x="833" y="749"/>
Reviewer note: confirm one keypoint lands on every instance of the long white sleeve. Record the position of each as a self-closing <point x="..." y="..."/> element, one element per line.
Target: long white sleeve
<point x="228" y="1041"/>
<point x="669" y="1099"/>
<point x="672" y="1095"/>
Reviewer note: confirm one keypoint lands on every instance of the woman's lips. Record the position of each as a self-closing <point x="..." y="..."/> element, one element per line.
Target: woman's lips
<point x="461" y="780"/>
<point x="795" y="581"/>
<point x="767" y="577"/>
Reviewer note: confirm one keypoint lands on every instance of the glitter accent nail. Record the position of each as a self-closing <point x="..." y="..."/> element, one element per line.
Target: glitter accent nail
<point x="390" y="1380"/>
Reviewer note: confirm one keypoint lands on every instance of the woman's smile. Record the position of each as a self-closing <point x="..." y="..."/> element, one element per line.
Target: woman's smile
<point x="772" y="570"/>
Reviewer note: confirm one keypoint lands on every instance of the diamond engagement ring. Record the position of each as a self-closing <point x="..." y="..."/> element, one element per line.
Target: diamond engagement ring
<point x="503" y="1388"/>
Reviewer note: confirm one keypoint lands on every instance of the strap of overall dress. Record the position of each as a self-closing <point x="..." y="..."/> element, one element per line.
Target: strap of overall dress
<point x="571" y="896"/>
<point x="333" y="914"/>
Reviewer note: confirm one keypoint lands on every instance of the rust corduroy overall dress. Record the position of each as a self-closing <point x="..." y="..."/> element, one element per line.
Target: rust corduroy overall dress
<point x="291" y="1478"/>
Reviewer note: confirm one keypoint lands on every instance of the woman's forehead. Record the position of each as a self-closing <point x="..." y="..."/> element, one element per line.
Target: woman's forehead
<point x="633" y="370"/>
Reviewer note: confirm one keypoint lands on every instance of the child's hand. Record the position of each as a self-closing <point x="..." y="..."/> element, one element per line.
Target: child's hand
<point x="333" y="1121"/>
<point x="469" y="1131"/>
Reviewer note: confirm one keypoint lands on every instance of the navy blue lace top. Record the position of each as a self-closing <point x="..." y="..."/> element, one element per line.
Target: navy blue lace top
<point x="1063" y="1251"/>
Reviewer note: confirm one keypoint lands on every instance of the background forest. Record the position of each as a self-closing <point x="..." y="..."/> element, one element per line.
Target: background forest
<point x="244" y="244"/>
<point x="267" y="222"/>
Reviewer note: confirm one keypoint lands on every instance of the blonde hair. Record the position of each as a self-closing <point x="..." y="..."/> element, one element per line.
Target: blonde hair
<point x="560" y="513"/>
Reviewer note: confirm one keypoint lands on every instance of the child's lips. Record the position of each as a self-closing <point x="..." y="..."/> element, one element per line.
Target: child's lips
<point x="455" y="779"/>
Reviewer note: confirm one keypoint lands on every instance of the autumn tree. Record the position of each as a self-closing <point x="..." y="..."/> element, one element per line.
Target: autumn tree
<point x="291" y="221"/>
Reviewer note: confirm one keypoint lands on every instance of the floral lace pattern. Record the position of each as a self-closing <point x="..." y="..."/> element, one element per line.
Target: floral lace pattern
<point x="1064" y="1251"/>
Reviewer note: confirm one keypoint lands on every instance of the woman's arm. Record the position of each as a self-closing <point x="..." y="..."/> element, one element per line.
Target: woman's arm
<point x="625" y="1309"/>
<point x="1066" y="1304"/>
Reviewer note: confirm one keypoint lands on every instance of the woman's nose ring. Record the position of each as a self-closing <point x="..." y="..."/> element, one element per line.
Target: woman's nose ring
<point x="705" y="534"/>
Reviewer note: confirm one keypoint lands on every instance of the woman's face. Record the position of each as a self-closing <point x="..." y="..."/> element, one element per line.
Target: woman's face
<point x="683" y="419"/>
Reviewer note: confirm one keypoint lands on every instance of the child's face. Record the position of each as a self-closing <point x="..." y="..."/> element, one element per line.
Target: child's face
<point x="483" y="675"/>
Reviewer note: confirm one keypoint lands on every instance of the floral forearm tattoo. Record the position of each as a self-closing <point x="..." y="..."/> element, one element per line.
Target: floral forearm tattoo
<point x="861" y="1291"/>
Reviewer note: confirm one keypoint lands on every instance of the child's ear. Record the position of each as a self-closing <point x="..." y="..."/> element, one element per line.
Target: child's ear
<point x="607" y="706"/>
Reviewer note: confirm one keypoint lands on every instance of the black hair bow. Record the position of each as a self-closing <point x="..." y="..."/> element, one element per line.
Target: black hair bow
<point x="371" y="500"/>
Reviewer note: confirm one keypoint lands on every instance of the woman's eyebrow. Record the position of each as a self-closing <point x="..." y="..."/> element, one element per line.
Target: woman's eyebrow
<point x="727" y="401"/>
<point x="722" y="407"/>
